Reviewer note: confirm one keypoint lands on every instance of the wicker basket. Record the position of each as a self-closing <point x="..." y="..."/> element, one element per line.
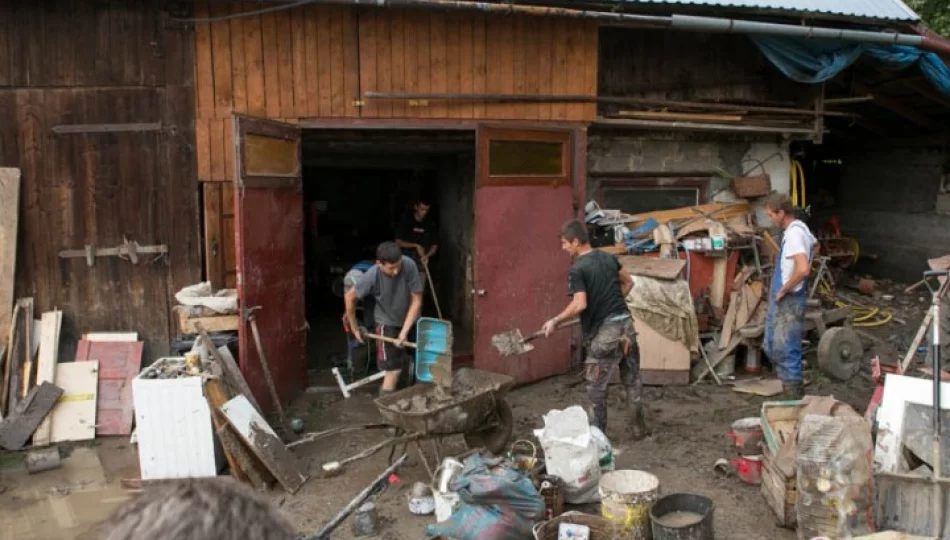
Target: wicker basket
<point x="600" y="528"/>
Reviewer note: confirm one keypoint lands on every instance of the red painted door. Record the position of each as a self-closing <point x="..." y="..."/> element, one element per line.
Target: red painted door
<point x="119" y="363"/>
<point x="269" y="225"/>
<point x="523" y="195"/>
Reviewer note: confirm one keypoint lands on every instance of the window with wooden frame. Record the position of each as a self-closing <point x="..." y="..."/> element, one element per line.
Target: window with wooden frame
<point x="511" y="157"/>
<point x="640" y="194"/>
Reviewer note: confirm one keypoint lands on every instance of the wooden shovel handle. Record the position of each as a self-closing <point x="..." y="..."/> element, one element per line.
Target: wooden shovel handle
<point x="540" y="333"/>
<point x="394" y="341"/>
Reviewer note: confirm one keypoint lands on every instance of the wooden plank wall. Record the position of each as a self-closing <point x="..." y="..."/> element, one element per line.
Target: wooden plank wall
<point x="316" y="62"/>
<point x="96" y="62"/>
<point x="220" y="267"/>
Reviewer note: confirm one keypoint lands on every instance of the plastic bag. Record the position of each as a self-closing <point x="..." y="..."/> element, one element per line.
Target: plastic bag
<point x="496" y="500"/>
<point x="604" y="449"/>
<point x="572" y="453"/>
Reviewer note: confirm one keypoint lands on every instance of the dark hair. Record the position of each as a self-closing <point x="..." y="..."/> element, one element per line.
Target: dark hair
<point x="421" y="200"/>
<point x="780" y="201"/>
<point x="388" y="252"/>
<point x="575" y="230"/>
<point x="211" y="509"/>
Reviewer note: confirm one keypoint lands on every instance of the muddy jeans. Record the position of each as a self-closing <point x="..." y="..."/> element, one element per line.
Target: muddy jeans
<point x="614" y="345"/>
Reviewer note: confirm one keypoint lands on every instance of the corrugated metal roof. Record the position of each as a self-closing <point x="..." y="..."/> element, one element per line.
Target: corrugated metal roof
<point x="893" y="10"/>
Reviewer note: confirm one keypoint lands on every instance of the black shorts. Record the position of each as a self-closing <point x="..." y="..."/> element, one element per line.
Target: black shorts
<point x="388" y="356"/>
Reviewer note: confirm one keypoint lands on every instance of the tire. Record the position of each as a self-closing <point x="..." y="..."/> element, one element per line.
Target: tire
<point x="495" y="440"/>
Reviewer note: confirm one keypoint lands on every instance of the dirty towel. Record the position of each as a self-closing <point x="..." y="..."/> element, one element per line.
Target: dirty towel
<point x="497" y="501"/>
<point x="667" y="307"/>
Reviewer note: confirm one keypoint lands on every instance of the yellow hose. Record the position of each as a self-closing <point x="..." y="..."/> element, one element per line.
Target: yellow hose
<point x="862" y="315"/>
<point x="797" y="177"/>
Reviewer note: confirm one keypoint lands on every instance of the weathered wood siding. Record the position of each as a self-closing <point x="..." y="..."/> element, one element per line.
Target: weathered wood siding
<point x="317" y="61"/>
<point x="100" y="62"/>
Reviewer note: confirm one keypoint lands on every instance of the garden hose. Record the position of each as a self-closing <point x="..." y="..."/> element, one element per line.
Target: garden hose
<point x="797" y="177"/>
<point x="862" y="315"/>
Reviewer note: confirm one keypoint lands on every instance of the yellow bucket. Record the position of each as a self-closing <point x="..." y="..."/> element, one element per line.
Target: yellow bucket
<point x="626" y="498"/>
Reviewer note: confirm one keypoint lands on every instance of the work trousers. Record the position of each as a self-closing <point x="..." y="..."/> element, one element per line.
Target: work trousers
<point x="613" y="346"/>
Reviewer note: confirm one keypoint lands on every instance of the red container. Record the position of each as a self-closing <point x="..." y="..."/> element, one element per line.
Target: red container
<point x="748" y="469"/>
<point x="748" y="436"/>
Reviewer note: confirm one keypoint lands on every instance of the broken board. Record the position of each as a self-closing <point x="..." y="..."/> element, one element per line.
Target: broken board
<point x="653" y="267"/>
<point x="119" y="363"/>
<point x="51" y="324"/>
<point x="765" y="388"/>
<point x="111" y="336"/>
<point x="264" y="442"/>
<point x="17" y="428"/>
<point x="662" y="360"/>
<point x="74" y="417"/>
<point x="244" y="465"/>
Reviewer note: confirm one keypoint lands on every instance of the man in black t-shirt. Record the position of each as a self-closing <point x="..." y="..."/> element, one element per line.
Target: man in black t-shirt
<point x="417" y="234"/>
<point x="598" y="286"/>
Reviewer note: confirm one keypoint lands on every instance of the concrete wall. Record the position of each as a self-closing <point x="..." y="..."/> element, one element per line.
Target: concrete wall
<point x="888" y="200"/>
<point x="656" y="152"/>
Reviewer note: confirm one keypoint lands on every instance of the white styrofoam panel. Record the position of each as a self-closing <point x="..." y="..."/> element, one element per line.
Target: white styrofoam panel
<point x="175" y="434"/>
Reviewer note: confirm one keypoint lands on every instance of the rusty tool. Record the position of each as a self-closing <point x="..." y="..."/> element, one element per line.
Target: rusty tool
<point x="265" y="367"/>
<point x="512" y="343"/>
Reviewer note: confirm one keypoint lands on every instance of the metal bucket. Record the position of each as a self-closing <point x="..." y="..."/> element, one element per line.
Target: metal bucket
<point x="626" y="498"/>
<point x="683" y="516"/>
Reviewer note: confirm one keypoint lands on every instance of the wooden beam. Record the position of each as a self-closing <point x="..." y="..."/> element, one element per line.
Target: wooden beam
<point x="66" y="129"/>
<point x="904" y="111"/>
<point x="928" y="92"/>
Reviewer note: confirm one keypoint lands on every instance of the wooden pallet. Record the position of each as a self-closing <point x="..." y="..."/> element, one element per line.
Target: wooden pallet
<point x="780" y="493"/>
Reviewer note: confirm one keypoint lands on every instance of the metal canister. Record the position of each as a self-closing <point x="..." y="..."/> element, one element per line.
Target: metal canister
<point x="365" y="520"/>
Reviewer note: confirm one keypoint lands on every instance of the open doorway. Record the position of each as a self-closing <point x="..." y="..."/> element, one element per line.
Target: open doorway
<point x="358" y="185"/>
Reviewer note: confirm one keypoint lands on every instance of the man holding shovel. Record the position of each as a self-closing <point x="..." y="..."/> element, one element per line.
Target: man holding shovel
<point x="598" y="286"/>
<point x="396" y="288"/>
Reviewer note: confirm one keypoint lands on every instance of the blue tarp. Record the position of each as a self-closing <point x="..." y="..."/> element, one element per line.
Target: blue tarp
<point x="817" y="60"/>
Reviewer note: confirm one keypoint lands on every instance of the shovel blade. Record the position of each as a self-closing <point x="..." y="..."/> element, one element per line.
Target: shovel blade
<point x="511" y="343"/>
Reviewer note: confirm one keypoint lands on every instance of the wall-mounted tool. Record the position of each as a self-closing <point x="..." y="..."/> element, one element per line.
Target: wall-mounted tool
<point x="129" y="251"/>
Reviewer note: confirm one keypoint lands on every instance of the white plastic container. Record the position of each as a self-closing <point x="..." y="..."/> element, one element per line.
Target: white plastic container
<point x="573" y="531"/>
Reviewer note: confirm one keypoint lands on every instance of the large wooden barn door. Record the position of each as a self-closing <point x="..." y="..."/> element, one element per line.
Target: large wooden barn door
<point x="523" y="195"/>
<point x="268" y="205"/>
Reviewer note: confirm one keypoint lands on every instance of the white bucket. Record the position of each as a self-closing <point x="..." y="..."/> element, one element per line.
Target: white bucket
<point x="445" y="504"/>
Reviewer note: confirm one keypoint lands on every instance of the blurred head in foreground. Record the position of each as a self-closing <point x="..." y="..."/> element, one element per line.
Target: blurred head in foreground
<point x="210" y="509"/>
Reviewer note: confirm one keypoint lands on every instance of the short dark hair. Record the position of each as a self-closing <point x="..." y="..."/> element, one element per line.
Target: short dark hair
<point x="388" y="252"/>
<point x="212" y="509"/>
<point x="422" y="199"/>
<point x="780" y="201"/>
<point x="575" y="230"/>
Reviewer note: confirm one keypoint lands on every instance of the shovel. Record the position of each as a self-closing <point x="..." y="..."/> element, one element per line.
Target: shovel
<point x="512" y="343"/>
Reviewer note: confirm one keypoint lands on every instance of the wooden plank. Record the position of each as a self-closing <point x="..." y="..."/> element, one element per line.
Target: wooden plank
<point x="272" y="76"/>
<point x="324" y="59"/>
<point x="368" y="50"/>
<point x="9" y="216"/>
<point x="717" y="289"/>
<point x="204" y="64"/>
<point x="729" y="324"/>
<point x="299" y="35"/>
<point x="19" y="350"/>
<point x="228" y="134"/>
<point x="453" y="77"/>
<point x="397" y="37"/>
<point x="592" y="56"/>
<point x="203" y="149"/>
<point x="576" y="59"/>
<point x="351" y="63"/>
<point x="232" y="373"/>
<point x="74" y="416"/>
<point x="5" y="45"/>
<point x="533" y="49"/>
<point x="437" y="61"/>
<point x="221" y="56"/>
<point x="254" y="66"/>
<point x="238" y="62"/>
<point x="466" y="59"/>
<point x="560" y="67"/>
<point x="719" y="211"/>
<point x="337" y="90"/>
<point x="519" y="46"/>
<point x="311" y="27"/>
<point x="219" y="323"/>
<point x="111" y="336"/>
<point x="19" y="426"/>
<point x="499" y="63"/>
<point x="412" y="26"/>
<point x="285" y="63"/>
<point x="234" y="451"/>
<point x="214" y="267"/>
<point x="423" y="60"/>
<point x="46" y="366"/>
<point x="657" y="352"/>
<point x="652" y="266"/>
<point x="119" y="363"/>
<point x="218" y="157"/>
<point x="384" y="61"/>
<point x="264" y="442"/>
<point x="545" y="63"/>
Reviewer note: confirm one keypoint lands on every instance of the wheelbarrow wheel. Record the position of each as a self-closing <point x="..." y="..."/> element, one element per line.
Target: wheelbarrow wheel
<point x="494" y="439"/>
<point x="840" y="353"/>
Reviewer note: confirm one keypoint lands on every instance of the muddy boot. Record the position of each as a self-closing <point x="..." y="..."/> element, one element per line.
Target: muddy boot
<point x="793" y="391"/>
<point x="638" y="427"/>
<point x="598" y="418"/>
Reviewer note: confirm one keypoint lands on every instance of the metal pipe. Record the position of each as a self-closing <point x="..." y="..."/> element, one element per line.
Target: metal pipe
<point x="577" y="98"/>
<point x="696" y="126"/>
<point x="736" y="26"/>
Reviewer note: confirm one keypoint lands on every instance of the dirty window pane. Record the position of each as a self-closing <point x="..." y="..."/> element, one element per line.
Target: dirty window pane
<point x="639" y="200"/>
<point x="525" y="158"/>
<point x="270" y="156"/>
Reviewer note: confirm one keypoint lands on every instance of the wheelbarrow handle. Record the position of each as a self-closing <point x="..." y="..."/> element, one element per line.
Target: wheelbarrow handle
<point x="394" y="341"/>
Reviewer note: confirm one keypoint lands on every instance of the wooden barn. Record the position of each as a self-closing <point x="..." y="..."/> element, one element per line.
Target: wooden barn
<point x="266" y="145"/>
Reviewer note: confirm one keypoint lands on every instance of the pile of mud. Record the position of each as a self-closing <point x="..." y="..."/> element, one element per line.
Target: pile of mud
<point x="465" y="384"/>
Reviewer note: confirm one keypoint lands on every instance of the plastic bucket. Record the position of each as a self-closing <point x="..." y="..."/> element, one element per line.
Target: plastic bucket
<point x="748" y="436"/>
<point x="445" y="504"/>
<point x="749" y="469"/>
<point x="682" y="516"/>
<point x="626" y="498"/>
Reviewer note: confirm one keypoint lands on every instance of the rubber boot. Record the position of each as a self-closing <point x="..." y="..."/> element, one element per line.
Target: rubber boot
<point x="793" y="391"/>
<point x="598" y="417"/>
<point x="638" y="426"/>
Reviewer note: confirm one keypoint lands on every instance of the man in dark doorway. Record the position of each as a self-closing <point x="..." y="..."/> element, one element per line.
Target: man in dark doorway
<point x="598" y="286"/>
<point x="396" y="288"/>
<point x="417" y="234"/>
<point x="785" y="318"/>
